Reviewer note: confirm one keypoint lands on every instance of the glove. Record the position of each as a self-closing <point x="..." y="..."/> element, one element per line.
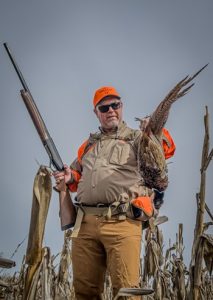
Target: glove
<point x="158" y="199"/>
<point x="142" y="208"/>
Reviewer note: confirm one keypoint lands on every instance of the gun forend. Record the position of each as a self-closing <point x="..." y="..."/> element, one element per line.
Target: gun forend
<point x="42" y="131"/>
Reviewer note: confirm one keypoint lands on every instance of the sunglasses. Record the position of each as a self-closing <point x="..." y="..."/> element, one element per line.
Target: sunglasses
<point x="105" y="108"/>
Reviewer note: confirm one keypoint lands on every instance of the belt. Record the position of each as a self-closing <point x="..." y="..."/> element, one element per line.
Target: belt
<point x="116" y="208"/>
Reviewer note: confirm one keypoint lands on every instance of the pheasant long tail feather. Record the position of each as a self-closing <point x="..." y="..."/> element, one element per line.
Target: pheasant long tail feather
<point x="195" y="75"/>
<point x="160" y="115"/>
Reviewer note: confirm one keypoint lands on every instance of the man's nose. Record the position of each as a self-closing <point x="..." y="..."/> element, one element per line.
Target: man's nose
<point x="110" y="109"/>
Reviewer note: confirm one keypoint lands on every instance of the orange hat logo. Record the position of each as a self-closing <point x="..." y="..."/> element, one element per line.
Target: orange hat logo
<point x="104" y="92"/>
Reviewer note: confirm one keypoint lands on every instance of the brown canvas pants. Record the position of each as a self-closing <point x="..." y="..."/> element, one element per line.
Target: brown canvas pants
<point x="113" y="245"/>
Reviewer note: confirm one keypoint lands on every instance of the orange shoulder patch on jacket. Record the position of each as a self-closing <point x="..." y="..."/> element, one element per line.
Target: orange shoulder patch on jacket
<point x="73" y="186"/>
<point x="81" y="150"/>
<point x="168" y="144"/>
<point x="76" y="174"/>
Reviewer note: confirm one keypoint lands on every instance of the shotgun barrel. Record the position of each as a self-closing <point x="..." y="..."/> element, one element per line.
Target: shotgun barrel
<point x="67" y="209"/>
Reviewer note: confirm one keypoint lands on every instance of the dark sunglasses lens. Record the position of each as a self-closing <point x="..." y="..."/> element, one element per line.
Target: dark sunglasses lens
<point x="115" y="105"/>
<point x="105" y="108"/>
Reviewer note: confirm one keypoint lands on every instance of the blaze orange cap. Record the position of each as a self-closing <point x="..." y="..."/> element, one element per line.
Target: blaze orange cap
<point x="104" y="92"/>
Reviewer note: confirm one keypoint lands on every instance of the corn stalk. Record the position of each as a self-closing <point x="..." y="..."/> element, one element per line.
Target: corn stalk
<point x="198" y="243"/>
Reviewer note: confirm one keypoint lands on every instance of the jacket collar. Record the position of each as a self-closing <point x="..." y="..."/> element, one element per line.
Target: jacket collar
<point x="122" y="125"/>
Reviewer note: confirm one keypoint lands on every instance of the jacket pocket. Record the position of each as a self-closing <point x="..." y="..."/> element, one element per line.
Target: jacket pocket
<point x="120" y="153"/>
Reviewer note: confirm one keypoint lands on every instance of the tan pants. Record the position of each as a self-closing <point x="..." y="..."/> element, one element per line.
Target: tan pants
<point x="101" y="244"/>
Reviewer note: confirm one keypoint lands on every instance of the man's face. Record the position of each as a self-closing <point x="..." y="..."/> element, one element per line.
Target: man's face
<point x="113" y="116"/>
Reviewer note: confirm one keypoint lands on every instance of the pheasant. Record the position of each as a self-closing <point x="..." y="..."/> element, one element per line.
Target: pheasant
<point x="152" y="163"/>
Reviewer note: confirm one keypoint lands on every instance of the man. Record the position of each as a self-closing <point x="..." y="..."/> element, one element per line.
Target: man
<point x="112" y="200"/>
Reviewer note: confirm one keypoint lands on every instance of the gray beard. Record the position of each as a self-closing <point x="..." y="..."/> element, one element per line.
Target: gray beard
<point x="113" y="124"/>
<point x="112" y="127"/>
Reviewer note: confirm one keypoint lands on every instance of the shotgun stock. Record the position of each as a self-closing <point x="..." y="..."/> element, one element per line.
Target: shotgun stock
<point x="67" y="209"/>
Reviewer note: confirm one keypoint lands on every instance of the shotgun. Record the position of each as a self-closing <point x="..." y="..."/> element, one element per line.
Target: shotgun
<point x="67" y="209"/>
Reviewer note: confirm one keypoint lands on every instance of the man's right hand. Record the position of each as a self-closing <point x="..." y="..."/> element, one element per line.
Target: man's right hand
<point x="65" y="175"/>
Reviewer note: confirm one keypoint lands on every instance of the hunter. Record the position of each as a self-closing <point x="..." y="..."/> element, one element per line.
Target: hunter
<point x="113" y="200"/>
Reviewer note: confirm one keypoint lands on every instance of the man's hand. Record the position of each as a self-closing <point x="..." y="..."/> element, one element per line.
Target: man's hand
<point x="65" y="175"/>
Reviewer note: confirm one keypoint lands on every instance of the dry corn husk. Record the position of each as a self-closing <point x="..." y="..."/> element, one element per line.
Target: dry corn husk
<point x="42" y="191"/>
<point x="153" y="258"/>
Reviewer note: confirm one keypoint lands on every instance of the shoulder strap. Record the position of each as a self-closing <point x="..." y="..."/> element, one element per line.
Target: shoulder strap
<point x="129" y="135"/>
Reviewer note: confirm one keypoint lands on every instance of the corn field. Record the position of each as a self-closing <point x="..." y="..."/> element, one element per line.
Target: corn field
<point x="164" y="274"/>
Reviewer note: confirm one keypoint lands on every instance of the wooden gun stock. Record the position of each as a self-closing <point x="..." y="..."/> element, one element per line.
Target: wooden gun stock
<point x="67" y="211"/>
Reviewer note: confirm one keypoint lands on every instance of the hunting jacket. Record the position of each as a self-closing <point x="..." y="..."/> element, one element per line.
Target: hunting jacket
<point x="106" y="169"/>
